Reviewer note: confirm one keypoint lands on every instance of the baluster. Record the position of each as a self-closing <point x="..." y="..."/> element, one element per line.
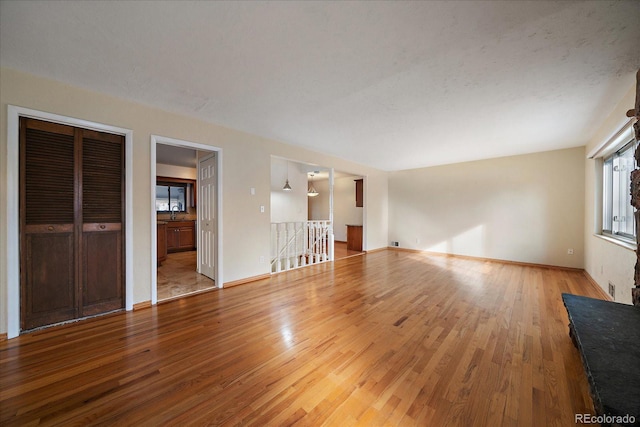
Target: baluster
<point x="296" y="250"/>
<point x="288" y="255"/>
<point x="281" y="232"/>
<point x="300" y="243"/>
<point x="303" y="244"/>
<point x="324" y="243"/>
<point x="309" y="242"/>
<point x="285" y="254"/>
<point x="319" y="251"/>
<point x="277" y="255"/>
<point x="312" y="243"/>
<point x="283" y="247"/>
<point x="315" y="243"/>
<point x="296" y="254"/>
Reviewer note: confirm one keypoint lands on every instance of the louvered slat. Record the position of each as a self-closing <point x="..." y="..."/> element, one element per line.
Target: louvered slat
<point x="48" y="177"/>
<point x="102" y="180"/>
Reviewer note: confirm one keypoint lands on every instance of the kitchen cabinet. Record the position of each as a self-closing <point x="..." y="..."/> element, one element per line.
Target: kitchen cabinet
<point x="359" y="193"/>
<point x="354" y="237"/>
<point x="181" y="236"/>
<point x="162" y="241"/>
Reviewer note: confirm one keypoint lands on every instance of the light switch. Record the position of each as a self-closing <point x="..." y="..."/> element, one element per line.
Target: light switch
<point x="261" y="209"/>
<point x="253" y="191"/>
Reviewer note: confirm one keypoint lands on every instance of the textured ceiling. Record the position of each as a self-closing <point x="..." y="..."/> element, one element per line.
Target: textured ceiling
<point x="394" y="85"/>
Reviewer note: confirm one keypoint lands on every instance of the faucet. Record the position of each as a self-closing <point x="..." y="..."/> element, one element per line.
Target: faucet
<point x="174" y="213"/>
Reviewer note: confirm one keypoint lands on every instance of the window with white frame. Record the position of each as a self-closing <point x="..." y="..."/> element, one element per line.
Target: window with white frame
<point x="617" y="213"/>
<point x="617" y="157"/>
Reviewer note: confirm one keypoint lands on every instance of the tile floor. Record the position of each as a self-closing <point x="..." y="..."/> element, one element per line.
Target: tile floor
<point x="177" y="276"/>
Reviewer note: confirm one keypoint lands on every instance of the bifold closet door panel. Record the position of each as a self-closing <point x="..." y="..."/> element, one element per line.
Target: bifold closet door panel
<point x="102" y="222"/>
<point x="47" y="215"/>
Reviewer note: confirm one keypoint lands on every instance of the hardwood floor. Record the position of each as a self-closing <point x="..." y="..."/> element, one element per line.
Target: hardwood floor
<point x="177" y="276"/>
<point x="340" y="251"/>
<point x="389" y="338"/>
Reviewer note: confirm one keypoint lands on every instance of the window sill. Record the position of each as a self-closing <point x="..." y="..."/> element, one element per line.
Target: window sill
<point x="619" y="242"/>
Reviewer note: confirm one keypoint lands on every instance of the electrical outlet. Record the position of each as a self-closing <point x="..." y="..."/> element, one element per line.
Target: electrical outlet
<point x="261" y="259"/>
<point x="570" y="251"/>
<point x="396" y="243"/>
<point x="612" y="290"/>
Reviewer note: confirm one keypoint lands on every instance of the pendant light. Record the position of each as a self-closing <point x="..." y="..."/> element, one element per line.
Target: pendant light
<point x="312" y="192"/>
<point x="287" y="187"/>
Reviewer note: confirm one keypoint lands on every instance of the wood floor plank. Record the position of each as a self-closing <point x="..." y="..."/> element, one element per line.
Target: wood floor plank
<point x="384" y="339"/>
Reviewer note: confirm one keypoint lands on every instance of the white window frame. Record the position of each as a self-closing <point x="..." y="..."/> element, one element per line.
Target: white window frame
<point x="616" y="201"/>
<point x="608" y="156"/>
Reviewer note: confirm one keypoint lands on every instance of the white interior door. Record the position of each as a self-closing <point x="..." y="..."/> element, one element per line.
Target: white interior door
<point x="206" y="215"/>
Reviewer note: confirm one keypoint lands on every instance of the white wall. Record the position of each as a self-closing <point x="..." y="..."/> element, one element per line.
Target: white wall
<point x="525" y="208"/>
<point x="174" y="171"/>
<point x="376" y="211"/>
<point x="288" y="206"/>
<point x="344" y="206"/>
<point x="246" y="163"/>
<point x="319" y="205"/>
<point x="606" y="261"/>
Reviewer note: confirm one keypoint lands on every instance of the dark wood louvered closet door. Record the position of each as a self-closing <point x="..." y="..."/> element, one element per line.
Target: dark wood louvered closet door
<point x="47" y="184"/>
<point x="71" y="219"/>
<point x="102" y="214"/>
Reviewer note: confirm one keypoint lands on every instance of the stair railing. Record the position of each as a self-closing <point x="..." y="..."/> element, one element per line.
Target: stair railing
<point x="298" y="244"/>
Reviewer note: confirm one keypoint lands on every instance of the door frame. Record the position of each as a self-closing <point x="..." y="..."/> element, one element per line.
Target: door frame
<point x="155" y="140"/>
<point x="13" y="213"/>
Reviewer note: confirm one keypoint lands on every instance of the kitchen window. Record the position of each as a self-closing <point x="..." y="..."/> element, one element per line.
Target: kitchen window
<point x="171" y="197"/>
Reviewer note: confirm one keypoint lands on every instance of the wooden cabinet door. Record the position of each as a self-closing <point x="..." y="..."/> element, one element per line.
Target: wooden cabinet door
<point x="71" y="217"/>
<point x="186" y="237"/>
<point x="172" y="238"/>
<point x="359" y="193"/>
<point x="354" y="237"/>
<point x="161" y="245"/>
<point x="181" y="236"/>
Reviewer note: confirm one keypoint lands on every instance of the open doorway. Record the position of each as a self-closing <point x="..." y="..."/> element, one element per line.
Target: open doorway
<point x="317" y="214"/>
<point x="348" y="210"/>
<point x="185" y="207"/>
